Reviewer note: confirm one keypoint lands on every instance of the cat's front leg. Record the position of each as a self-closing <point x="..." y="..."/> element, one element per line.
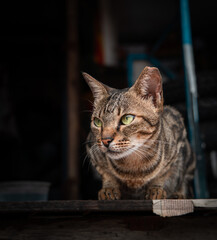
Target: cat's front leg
<point x="156" y="192"/>
<point x="110" y="189"/>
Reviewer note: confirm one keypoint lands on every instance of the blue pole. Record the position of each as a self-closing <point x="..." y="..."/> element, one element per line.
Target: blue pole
<point x="192" y="104"/>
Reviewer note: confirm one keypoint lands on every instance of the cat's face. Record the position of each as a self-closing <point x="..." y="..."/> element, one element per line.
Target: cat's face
<point x="123" y="120"/>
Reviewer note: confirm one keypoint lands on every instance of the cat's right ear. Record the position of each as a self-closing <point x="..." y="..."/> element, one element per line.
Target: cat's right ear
<point x="149" y="86"/>
<point x="98" y="89"/>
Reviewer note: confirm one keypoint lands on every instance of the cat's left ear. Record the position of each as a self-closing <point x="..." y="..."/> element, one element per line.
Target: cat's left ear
<point x="98" y="89"/>
<point x="149" y="85"/>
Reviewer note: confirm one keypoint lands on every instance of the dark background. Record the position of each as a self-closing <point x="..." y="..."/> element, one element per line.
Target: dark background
<point x="33" y="76"/>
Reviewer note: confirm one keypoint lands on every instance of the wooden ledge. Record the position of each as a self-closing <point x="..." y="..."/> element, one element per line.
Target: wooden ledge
<point x="81" y="220"/>
<point x="168" y="207"/>
<point x="77" y="206"/>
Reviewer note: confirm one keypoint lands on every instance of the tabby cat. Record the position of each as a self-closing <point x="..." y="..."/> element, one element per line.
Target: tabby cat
<point x="138" y="146"/>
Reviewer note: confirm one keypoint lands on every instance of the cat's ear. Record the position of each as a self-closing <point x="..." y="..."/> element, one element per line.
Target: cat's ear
<point x="98" y="89"/>
<point x="149" y="85"/>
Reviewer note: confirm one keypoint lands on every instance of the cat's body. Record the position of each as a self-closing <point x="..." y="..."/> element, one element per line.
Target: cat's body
<point x="138" y="147"/>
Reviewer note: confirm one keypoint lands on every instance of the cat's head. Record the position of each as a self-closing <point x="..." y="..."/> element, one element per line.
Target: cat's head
<point x="123" y="120"/>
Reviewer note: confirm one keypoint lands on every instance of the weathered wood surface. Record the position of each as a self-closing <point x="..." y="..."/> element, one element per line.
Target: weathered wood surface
<point x="119" y="220"/>
<point x="95" y="206"/>
<point x="118" y="226"/>
<point x="76" y="206"/>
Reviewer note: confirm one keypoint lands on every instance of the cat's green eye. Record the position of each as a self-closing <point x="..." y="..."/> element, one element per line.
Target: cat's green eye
<point x="97" y="122"/>
<point x="127" y="119"/>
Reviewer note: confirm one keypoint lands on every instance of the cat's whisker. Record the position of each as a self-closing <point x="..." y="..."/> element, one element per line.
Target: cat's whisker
<point x="92" y="149"/>
<point x="92" y="103"/>
<point x="84" y="161"/>
<point x="84" y="155"/>
<point x="161" y="141"/>
<point x="138" y="153"/>
<point x="146" y="154"/>
<point x="88" y="142"/>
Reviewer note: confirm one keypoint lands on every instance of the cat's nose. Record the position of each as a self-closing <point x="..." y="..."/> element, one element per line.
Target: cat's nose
<point x="106" y="141"/>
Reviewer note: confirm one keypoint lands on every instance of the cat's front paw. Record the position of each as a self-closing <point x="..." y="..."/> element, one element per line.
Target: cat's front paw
<point x="109" y="194"/>
<point x="156" y="193"/>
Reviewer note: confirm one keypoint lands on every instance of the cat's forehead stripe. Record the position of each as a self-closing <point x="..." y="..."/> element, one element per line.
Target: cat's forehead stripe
<point x="113" y="102"/>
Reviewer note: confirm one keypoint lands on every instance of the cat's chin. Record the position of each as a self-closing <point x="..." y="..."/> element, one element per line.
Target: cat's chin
<point x="119" y="155"/>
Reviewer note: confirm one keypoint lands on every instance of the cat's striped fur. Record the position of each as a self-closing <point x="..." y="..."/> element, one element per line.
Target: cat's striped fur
<point x="150" y="158"/>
